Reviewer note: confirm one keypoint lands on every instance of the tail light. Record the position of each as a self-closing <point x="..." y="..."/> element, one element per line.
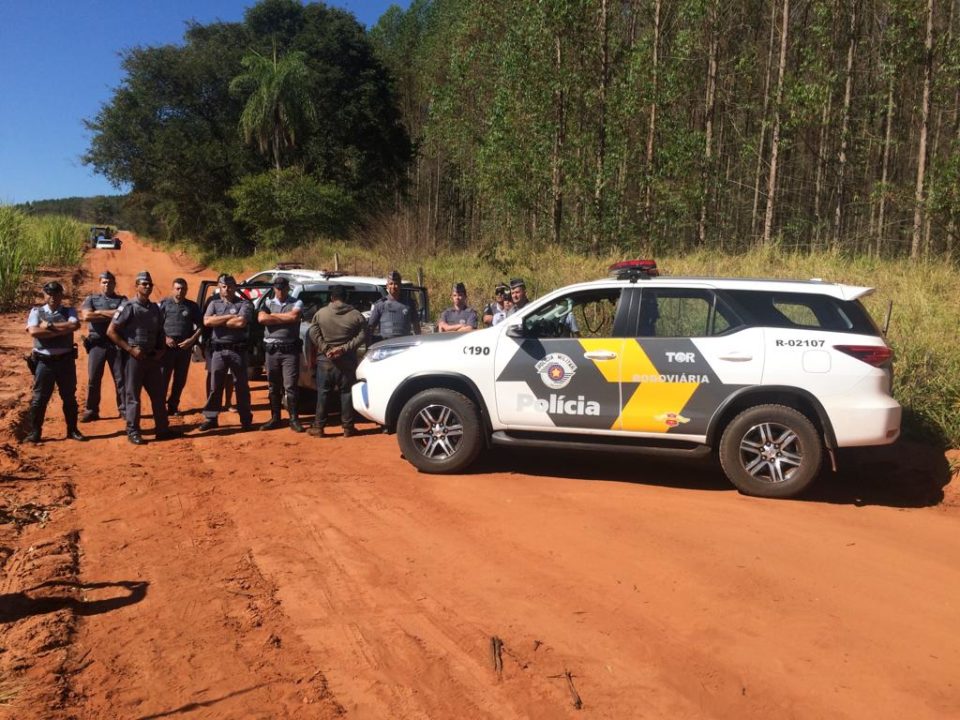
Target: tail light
<point x="876" y="355"/>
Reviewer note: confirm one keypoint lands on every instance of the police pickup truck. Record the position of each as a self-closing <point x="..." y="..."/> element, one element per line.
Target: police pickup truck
<point x="768" y="375"/>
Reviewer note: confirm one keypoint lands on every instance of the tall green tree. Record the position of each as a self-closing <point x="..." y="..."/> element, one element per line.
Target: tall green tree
<point x="278" y="107"/>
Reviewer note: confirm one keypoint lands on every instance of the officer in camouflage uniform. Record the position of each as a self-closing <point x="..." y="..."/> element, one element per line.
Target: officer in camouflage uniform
<point x="182" y="325"/>
<point x="98" y="310"/>
<point x="392" y="317"/>
<point x="52" y="326"/>
<point x="229" y="317"/>
<point x="280" y="317"/>
<point x="137" y="329"/>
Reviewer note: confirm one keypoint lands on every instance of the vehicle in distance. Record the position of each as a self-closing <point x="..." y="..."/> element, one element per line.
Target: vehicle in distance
<point x="102" y="232"/>
<point x="768" y="375"/>
<point x="107" y="244"/>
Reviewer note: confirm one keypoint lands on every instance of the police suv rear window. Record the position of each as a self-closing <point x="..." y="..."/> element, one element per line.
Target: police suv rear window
<point x="810" y="311"/>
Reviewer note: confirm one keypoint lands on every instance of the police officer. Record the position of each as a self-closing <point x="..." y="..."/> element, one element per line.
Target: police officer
<point x="182" y="325"/>
<point x="458" y="318"/>
<point x="392" y="317"/>
<point x="500" y="292"/>
<point x="52" y="326"/>
<point x="228" y="317"/>
<point x="98" y="310"/>
<point x="518" y="293"/>
<point x="137" y="329"/>
<point x="280" y="317"/>
<point x="337" y="330"/>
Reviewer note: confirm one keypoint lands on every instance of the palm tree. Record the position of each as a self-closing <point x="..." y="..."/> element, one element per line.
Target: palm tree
<point x="278" y="106"/>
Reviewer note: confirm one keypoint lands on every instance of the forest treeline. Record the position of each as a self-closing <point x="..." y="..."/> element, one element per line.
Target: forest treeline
<point x="587" y="124"/>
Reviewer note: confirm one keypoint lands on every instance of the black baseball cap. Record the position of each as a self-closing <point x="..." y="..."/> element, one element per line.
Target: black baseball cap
<point x="281" y="282"/>
<point x="53" y="288"/>
<point x="501" y="289"/>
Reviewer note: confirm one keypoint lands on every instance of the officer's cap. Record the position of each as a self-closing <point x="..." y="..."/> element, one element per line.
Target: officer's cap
<point x="144" y="276"/>
<point x="500" y="289"/>
<point x="394" y="276"/>
<point x="281" y="283"/>
<point x="460" y="288"/>
<point x="227" y="279"/>
<point x="107" y="275"/>
<point x="517" y="282"/>
<point x="53" y="288"/>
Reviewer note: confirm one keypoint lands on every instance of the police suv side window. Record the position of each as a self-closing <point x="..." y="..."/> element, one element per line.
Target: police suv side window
<point x="684" y="312"/>
<point x="587" y="313"/>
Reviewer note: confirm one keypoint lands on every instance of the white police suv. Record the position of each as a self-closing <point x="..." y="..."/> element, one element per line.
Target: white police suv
<point x="767" y="373"/>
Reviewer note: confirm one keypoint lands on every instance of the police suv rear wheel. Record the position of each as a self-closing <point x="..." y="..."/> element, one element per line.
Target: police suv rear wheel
<point x="771" y="451"/>
<point x="439" y="431"/>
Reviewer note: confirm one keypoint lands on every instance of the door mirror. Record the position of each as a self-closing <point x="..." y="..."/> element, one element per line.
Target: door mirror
<point x="515" y="331"/>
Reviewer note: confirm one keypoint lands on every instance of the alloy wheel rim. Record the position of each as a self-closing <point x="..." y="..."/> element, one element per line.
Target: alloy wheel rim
<point x="437" y="432"/>
<point x="771" y="452"/>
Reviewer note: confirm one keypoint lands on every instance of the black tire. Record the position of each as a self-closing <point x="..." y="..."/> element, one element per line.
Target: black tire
<point x="440" y="431"/>
<point x="771" y="451"/>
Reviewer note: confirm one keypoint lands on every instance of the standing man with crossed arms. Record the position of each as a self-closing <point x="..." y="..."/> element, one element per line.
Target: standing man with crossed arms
<point x="182" y="325"/>
<point x="229" y="317"/>
<point x="280" y="317"/>
<point x="98" y="310"/>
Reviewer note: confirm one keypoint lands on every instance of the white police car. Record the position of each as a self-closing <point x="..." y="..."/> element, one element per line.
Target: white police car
<point x="767" y="373"/>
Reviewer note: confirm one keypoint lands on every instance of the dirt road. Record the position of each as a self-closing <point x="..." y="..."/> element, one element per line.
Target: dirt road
<point x="271" y="575"/>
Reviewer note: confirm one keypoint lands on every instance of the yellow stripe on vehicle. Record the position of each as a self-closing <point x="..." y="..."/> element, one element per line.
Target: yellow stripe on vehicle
<point x="610" y="369"/>
<point x="646" y="409"/>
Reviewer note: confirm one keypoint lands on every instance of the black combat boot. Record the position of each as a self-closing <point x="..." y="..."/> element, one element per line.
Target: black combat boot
<point x="295" y="423"/>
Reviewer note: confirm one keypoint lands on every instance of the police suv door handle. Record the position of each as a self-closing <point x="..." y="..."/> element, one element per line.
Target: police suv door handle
<point x="600" y="355"/>
<point x="737" y="356"/>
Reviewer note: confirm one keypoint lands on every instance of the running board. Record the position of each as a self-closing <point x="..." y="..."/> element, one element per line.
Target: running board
<point x="630" y="446"/>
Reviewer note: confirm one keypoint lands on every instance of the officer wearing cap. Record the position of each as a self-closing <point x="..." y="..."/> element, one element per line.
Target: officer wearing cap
<point x="518" y="293"/>
<point x="458" y="318"/>
<point x="490" y="311"/>
<point x="280" y="316"/>
<point x="137" y="329"/>
<point x="182" y="325"/>
<point x="392" y="316"/>
<point x="52" y="326"/>
<point x="98" y="310"/>
<point x="228" y="317"/>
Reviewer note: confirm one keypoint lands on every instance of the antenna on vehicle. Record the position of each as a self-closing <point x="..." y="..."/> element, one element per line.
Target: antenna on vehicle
<point x="886" y="321"/>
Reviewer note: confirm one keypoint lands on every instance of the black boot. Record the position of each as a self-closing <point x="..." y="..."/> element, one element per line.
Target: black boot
<point x="273" y="423"/>
<point x="295" y="424"/>
<point x="35" y="423"/>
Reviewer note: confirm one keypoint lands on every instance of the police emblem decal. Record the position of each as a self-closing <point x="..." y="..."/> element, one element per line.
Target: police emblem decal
<point x="556" y="370"/>
<point x="672" y="419"/>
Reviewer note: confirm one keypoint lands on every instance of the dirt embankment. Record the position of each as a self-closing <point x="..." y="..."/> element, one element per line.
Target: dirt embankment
<point x="274" y="575"/>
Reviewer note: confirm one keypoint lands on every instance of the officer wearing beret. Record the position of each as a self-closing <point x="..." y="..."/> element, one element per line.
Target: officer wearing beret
<point x="392" y="316"/>
<point x="52" y="326"/>
<point x="182" y="325"/>
<point x="458" y="318"/>
<point x="518" y="293"/>
<point x="137" y="329"/>
<point x="98" y="310"/>
<point x="228" y="316"/>
<point x="280" y="317"/>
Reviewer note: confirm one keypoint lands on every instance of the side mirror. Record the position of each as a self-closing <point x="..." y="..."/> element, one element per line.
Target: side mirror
<point x="515" y="331"/>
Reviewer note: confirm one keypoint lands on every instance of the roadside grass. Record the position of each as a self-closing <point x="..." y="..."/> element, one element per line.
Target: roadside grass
<point x="28" y="243"/>
<point x="924" y="322"/>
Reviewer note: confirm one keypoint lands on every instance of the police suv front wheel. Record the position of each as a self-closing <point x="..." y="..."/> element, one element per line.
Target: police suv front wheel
<point x="439" y="431"/>
<point x="771" y="451"/>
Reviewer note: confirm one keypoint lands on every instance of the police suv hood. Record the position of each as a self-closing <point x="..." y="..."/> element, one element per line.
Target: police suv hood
<point x="422" y="339"/>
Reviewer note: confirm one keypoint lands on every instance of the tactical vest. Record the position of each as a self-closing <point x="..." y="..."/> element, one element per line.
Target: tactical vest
<point x="140" y="324"/>
<point x="53" y="345"/>
<point x="98" y="328"/>
<point x="224" y="334"/>
<point x="394" y="318"/>
<point x="179" y="318"/>
<point x="286" y="333"/>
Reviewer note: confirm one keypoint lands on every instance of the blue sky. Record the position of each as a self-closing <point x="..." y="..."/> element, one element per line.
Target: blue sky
<point x="60" y="62"/>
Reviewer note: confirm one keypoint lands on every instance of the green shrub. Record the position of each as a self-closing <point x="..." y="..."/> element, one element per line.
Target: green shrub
<point x="15" y="260"/>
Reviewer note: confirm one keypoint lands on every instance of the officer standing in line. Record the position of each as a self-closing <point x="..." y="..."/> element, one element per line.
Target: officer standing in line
<point x="458" y="318"/>
<point x="392" y="317"/>
<point x="52" y="326"/>
<point x="500" y="292"/>
<point x="337" y="330"/>
<point x="229" y="317"/>
<point x="182" y="325"/>
<point x="98" y="310"/>
<point x="137" y="329"/>
<point x="280" y="317"/>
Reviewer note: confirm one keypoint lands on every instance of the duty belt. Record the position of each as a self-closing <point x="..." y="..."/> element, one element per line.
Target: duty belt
<point x="282" y="347"/>
<point x="37" y="356"/>
<point x="235" y="347"/>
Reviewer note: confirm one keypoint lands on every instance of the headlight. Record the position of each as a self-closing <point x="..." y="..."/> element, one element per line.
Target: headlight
<point x="382" y="353"/>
